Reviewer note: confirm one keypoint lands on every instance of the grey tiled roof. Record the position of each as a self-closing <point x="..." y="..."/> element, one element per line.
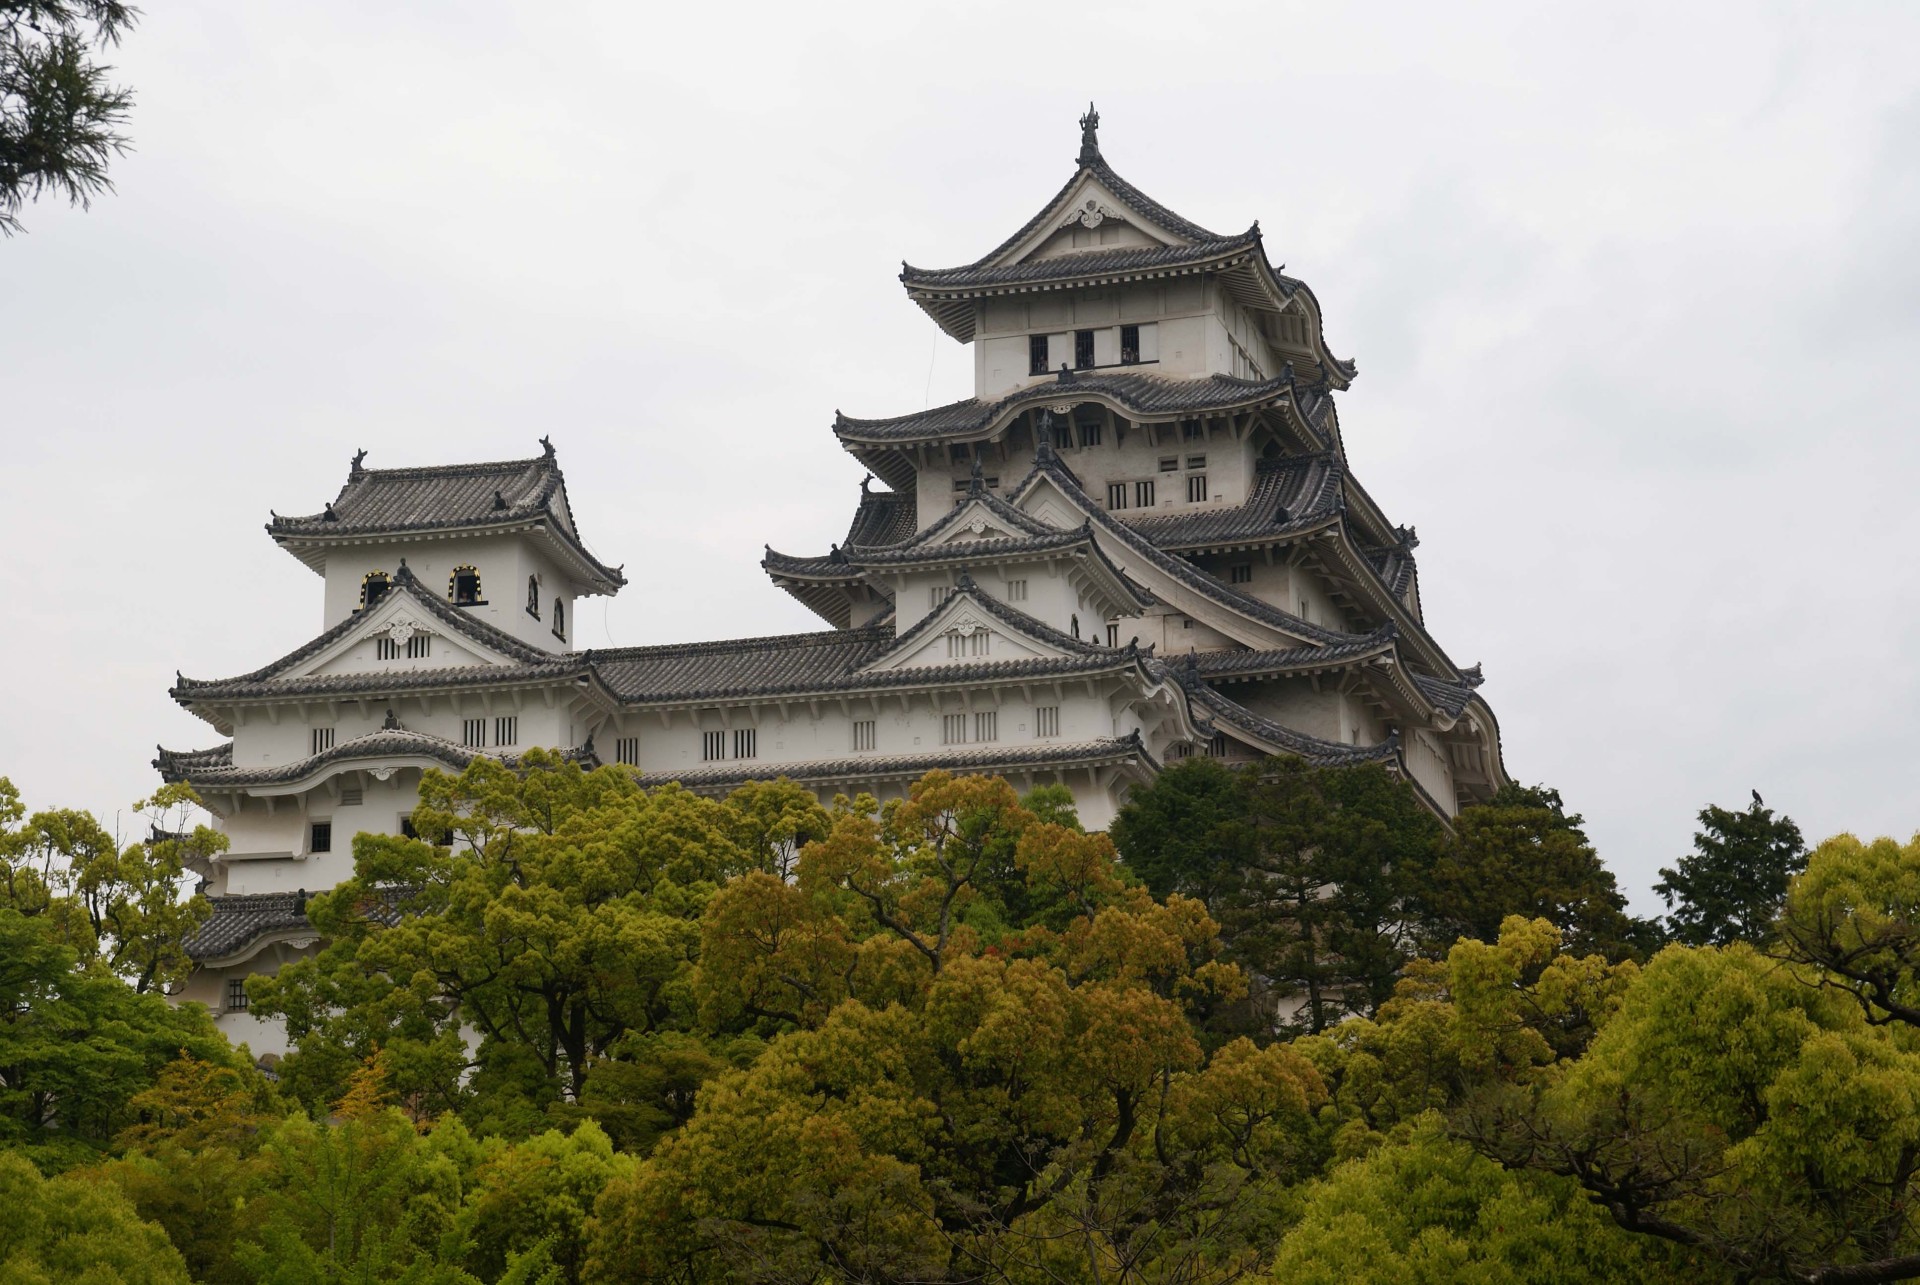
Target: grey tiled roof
<point x="1448" y="697"/>
<point x="1279" y="738"/>
<point x="1222" y="665"/>
<point x="271" y="679"/>
<point x="783" y="663"/>
<point x="883" y="518"/>
<point x="1141" y="396"/>
<point x="445" y="498"/>
<point x="1289" y="494"/>
<point x="241" y="919"/>
<point x="970" y="759"/>
<point x="215" y="767"/>
<point x="1133" y="260"/>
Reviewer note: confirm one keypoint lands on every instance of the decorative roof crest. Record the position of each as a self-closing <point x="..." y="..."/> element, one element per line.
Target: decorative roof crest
<point x="1090" y="136"/>
<point x="546" y="446"/>
<point x="359" y="463"/>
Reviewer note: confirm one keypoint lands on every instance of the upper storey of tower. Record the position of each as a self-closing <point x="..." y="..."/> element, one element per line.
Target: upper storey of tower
<point x="1106" y="278"/>
<point x="499" y="538"/>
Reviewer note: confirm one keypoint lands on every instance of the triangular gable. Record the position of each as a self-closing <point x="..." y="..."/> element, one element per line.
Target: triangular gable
<point x="1088" y="215"/>
<point x="967" y="616"/>
<point x="399" y="617"/>
<point x="1042" y="499"/>
<point x="981" y="515"/>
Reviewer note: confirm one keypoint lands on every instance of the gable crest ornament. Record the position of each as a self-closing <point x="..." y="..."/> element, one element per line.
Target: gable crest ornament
<point x="403" y="628"/>
<point x="1091" y="214"/>
<point x="967" y="624"/>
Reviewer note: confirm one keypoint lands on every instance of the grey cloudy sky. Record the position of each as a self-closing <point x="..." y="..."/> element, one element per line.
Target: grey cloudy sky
<point x="1634" y="292"/>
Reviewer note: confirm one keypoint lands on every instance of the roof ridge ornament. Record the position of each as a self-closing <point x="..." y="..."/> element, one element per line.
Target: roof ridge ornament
<point x="1090" y="136"/>
<point x="358" y="466"/>
<point x="546" y="446"/>
<point x="1043" y="438"/>
<point x="977" y="484"/>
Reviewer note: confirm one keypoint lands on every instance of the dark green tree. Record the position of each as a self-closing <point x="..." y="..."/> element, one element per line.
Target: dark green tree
<point x="1183" y="832"/>
<point x="1731" y="886"/>
<point x="60" y="114"/>
<point x="1524" y="854"/>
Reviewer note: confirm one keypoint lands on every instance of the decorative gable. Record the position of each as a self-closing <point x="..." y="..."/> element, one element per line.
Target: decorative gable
<point x="398" y="630"/>
<point x="968" y="630"/>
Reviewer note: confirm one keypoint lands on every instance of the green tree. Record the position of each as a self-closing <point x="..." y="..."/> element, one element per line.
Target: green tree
<point x="66" y="1229"/>
<point x="1523" y="854"/>
<point x="77" y="1045"/>
<point x="60" y="117"/>
<point x="1185" y="831"/>
<point x="1733" y="883"/>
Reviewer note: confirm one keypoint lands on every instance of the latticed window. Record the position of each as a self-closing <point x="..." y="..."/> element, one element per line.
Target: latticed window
<point x="559" y="620"/>
<point x="322" y="739"/>
<point x="1169" y="463"/>
<point x="953" y="729"/>
<point x="1143" y="494"/>
<point x="1129" y="345"/>
<point x="1016" y="591"/>
<point x="473" y="732"/>
<point x="320" y="837"/>
<point x="533" y="596"/>
<point x="1240" y="573"/>
<point x="419" y="646"/>
<point x="463" y="587"/>
<point x="1090" y="433"/>
<point x="1217" y="747"/>
<point x="1036" y="354"/>
<point x="1046" y="721"/>
<point x="938" y="595"/>
<point x="626" y="749"/>
<point x="1196" y="461"/>
<point x="713" y="746"/>
<point x="1193" y="431"/>
<point x="986" y="725"/>
<point x="386" y="649"/>
<point x="1196" y="487"/>
<point x="1082" y="349"/>
<point x="350" y="796"/>
<point x="864" y="737"/>
<point x="746" y="743"/>
<point x="1116" y="495"/>
<point x="237" y="995"/>
<point x="976" y="643"/>
<point x="506" y="730"/>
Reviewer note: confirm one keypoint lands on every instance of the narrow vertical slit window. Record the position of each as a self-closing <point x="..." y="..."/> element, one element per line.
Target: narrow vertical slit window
<point x="1143" y="494"/>
<point x="559" y="620"/>
<point x="322" y="739"/>
<point x="986" y="725"/>
<point x="473" y="732"/>
<point x="1129" y="345"/>
<point x="1037" y="354"/>
<point x="533" y="596"/>
<point x="713" y="746"/>
<point x="1196" y="488"/>
<point x="506" y="730"/>
<point x="746" y="743"/>
<point x="863" y="735"/>
<point x="1046" y="721"/>
<point x="1083" y="350"/>
<point x="1116" y="496"/>
<point x="1113" y="633"/>
<point x="626" y="749"/>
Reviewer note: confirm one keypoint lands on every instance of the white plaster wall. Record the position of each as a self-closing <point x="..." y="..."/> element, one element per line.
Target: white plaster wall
<point x="504" y="563"/>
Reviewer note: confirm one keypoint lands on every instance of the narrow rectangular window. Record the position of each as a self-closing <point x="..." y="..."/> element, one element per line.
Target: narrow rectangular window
<point x="386" y="649"/>
<point x="938" y="595"/>
<point x="626" y="749"/>
<point x="1113" y="633"/>
<point x="506" y="730"/>
<point x="1116" y="495"/>
<point x="1016" y="591"/>
<point x="473" y="732"/>
<point x="1169" y="463"/>
<point x="863" y="735"/>
<point x="1082" y="349"/>
<point x="1240" y="573"/>
<point x="713" y="746"/>
<point x="350" y="796"/>
<point x="1036" y="354"/>
<point x="986" y="725"/>
<point x="1217" y="747"/>
<point x="1090" y="434"/>
<point x="1046" y="721"/>
<point x="407" y="830"/>
<point x="322" y="739"/>
<point x="959" y="453"/>
<point x="1193" y="431"/>
<point x="1129" y="345"/>
<point x="1196" y="461"/>
<point x="237" y="995"/>
<point x="746" y="743"/>
<point x="420" y="646"/>
<point x="953" y="729"/>
<point x="320" y="837"/>
<point x="1182" y="750"/>
<point x="1143" y="494"/>
<point x="1196" y="487"/>
<point x="1306" y="611"/>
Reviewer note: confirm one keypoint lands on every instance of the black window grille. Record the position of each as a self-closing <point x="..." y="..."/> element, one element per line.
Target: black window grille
<point x="1196" y="487"/>
<point x="559" y="620"/>
<point x="1143" y="494"/>
<point x="1082" y="349"/>
<point x="237" y="995"/>
<point x="321" y="838"/>
<point x="533" y="597"/>
<point x="1129" y="345"/>
<point x="1036" y="354"/>
<point x="1116" y="495"/>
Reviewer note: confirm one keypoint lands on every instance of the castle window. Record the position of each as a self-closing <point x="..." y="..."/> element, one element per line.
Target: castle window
<point x="746" y="743"/>
<point x="1217" y="747"/>
<point x="506" y="729"/>
<point x="386" y="649"/>
<point x="1046" y="721"/>
<point x="1113" y="633"/>
<point x="533" y="596"/>
<point x="1180" y="750"/>
<point x="1129" y="345"/>
<point x="350" y="796"/>
<point x="1082" y="349"/>
<point x="1016" y="591"/>
<point x="1169" y="463"/>
<point x="713" y="746"/>
<point x="1196" y="461"/>
<point x="976" y="643"/>
<point x="237" y="995"/>
<point x="473" y="732"/>
<point x="1076" y="624"/>
<point x="961" y="485"/>
<point x="1143" y="494"/>
<point x="938" y="595"/>
<point x="986" y="725"/>
<point x="626" y="749"/>
<point x="320" y="837"/>
<point x="407" y="830"/>
<point x="1193" y="431"/>
<point x="322" y="739"/>
<point x="863" y="734"/>
<point x="419" y="646"/>
<point x="953" y="729"/>
<point x="373" y="587"/>
<point x="1306" y="611"/>
<point x="1036" y="354"/>
<point x="463" y="587"/>
<point x="1240" y="573"/>
<point x="959" y="453"/>
<point x="1116" y="496"/>
<point x="559" y="620"/>
<point x="1090" y="434"/>
<point x="1196" y="487"/>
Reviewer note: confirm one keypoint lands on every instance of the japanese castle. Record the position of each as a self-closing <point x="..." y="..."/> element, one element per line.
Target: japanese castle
<point x="1138" y="541"/>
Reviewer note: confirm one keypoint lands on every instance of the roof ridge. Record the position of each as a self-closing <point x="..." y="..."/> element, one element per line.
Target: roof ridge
<point x="815" y="638"/>
<point x="409" y="472"/>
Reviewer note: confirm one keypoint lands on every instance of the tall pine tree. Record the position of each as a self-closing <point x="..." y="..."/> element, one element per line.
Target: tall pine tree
<point x="1731" y="887"/>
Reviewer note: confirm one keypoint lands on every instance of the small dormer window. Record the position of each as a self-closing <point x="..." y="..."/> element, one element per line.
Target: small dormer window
<point x="373" y="587"/>
<point x="559" y="620"/>
<point x="1037" y="354"/>
<point x="463" y="587"/>
<point x="533" y="596"/>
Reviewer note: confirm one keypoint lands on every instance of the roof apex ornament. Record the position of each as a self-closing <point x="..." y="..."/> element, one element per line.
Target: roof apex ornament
<point x="546" y="446"/>
<point x="1090" y="136"/>
<point x="1043" y="437"/>
<point x="391" y="724"/>
<point x="359" y="463"/>
<point x="864" y="482"/>
<point x="977" y="483"/>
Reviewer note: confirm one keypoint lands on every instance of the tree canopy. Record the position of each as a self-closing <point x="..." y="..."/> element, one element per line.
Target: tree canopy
<point x="60" y="114"/>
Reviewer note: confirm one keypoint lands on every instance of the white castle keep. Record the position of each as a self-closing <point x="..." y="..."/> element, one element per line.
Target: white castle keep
<point x="1138" y="541"/>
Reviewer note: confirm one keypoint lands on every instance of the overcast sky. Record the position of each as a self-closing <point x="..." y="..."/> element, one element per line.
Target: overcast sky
<point x="1634" y="296"/>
